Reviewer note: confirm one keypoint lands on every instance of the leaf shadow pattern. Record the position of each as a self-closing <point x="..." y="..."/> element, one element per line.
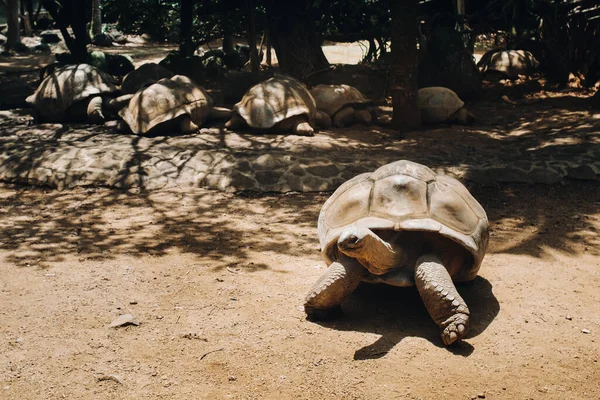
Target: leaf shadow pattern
<point x="41" y="226"/>
<point x="553" y="129"/>
<point x="396" y="313"/>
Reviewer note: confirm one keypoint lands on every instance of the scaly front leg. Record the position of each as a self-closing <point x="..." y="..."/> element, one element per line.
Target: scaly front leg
<point x="325" y="298"/>
<point x="441" y="298"/>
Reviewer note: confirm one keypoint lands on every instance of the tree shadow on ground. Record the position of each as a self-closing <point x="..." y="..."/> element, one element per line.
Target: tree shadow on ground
<point x="56" y="224"/>
<point x="44" y="226"/>
<point x="396" y="313"/>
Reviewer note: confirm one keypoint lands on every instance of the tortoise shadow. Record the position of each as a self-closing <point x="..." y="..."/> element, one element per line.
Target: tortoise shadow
<point x="396" y="313"/>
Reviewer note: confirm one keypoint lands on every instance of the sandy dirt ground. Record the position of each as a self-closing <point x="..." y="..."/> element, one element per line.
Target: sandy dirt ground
<point x="215" y="283"/>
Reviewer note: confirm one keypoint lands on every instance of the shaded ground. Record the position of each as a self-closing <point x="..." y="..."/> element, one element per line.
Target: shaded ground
<point x="217" y="280"/>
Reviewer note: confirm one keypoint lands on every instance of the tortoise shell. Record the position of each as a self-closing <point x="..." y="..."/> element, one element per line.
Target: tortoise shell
<point x="66" y="86"/>
<point x="164" y="101"/>
<point x="332" y="98"/>
<point x="269" y="102"/>
<point x="509" y="62"/>
<point x="145" y="74"/>
<point x="436" y="104"/>
<point x="406" y="196"/>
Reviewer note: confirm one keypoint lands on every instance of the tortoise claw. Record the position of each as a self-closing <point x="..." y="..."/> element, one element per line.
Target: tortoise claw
<point x="455" y="328"/>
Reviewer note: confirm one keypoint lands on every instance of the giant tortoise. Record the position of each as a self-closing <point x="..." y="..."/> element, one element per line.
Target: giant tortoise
<point x="439" y="104"/>
<point x="171" y="104"/>
<point x="344" y="104"/>
<point x="76" y="92"/>
<point x="401" y="225"/>
<point x="508" y="63"/>
<point x="279" y="104"/>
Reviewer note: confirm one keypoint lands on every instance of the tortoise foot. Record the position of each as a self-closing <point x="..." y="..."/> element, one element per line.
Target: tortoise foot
<point x="304" y="129"/>
<point x="323" y="314"/>
<point x="454" y="328"/>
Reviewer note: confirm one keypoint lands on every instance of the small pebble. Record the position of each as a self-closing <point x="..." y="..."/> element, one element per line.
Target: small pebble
<point x="111" y="377"/>
<point x="584" y="330"/>
<point x="232" y="378"/>
<point x="481" y="395"/>
<point x="569" y="318"/>
<point x="124" y="320"/>
<point x="133" y="302"/>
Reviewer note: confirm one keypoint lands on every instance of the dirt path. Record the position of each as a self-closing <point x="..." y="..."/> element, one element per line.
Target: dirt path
<point x="217" y="283"/>
<point x="217" y="280"/>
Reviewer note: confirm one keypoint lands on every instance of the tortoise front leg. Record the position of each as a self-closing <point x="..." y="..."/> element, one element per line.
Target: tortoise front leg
<point x="341" y="278"/>
<point x="94" y="110"/>
<point x="236" y="122"/>
<point x="186" y="125"/>
<point x="441" y="298"/>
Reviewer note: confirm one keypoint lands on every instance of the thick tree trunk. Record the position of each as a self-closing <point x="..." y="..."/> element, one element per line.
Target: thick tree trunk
<point x="78" y="24"/>
<point x="186" y="48"/>
<point x="70" y="13"/>
<point x="96" y="17"/>
<point x="404" y="59"/>
<point x="13" y="35"/>
<point x="292" y="34"/>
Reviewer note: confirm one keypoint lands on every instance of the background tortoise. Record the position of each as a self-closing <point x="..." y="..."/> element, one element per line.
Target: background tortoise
<point x="280" y="104"/>
<point x="344" y="104"/>
<point x="439" y="104"/>
<point x="146" y="74"/>
<point x="76" y="92"/>
<point x="170" y="104"/>
<point x="509" y="63"/>
<point x="402" y="225"/>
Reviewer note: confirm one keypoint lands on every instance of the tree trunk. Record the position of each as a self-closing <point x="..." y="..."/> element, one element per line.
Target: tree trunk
<point x="25" y="19"/>
<point x="13" y="34"/>
<point x="292" y="34"/>
<point x="269" y="49"/>
<point x="404" y="64"/>
<point x="29" y="10"/>
<point x="254" y="63"/>
<point x="96" y="17"/>
<point x="78" y="24"/>
<point x="186" y="48"/>
<point x="70" y="13"/>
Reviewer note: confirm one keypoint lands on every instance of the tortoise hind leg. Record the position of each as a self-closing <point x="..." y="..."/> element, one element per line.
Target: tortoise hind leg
<point x="442" y="301"/>
<point x="363" y="117"/>
<point x="341" y="278"/>
<point x="344" y="117"/>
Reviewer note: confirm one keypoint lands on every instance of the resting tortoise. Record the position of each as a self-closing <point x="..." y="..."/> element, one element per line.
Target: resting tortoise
<point x="508" y="63"/>
<point x="344" y="104"/>
<point x="279" y="104"/>
<point x="439" y="104"/>
<point x="401" y="225"/>
<point x="75" y="93"/>
<point x="170" y="104"/>
<point x="146" y="73"/>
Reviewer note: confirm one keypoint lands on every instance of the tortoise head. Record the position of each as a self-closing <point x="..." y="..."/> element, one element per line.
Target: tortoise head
<point x="378" y="253"/>
<point x="464" y="117"/>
